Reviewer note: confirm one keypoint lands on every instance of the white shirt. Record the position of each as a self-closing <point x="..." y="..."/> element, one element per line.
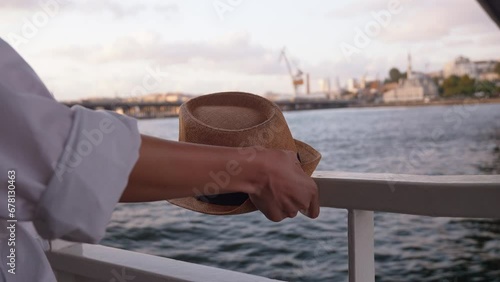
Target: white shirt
<point x="71" y="167"/>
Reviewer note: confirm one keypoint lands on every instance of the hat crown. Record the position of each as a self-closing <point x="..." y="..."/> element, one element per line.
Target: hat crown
<point x="234" y="119"/>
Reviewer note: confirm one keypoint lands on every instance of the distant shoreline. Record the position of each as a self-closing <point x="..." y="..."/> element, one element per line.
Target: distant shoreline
<point x="444" y="102"/>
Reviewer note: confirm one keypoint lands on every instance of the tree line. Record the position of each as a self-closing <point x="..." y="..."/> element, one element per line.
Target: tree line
<point x="455" y="85"/>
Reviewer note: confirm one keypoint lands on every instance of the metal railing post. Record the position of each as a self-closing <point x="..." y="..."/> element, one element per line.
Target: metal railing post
<point x="360" y="244"/>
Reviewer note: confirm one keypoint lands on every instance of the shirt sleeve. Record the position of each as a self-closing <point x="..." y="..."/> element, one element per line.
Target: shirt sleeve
<point x="89" y="177"/>
<point x="71" y="165"/>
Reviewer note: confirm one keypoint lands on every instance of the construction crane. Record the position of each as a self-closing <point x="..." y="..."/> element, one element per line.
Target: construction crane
<point x="297" y="79"/>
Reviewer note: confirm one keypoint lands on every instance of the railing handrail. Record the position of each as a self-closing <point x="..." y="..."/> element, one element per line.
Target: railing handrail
<point x="360" y="193"/>
<point x="476" y="196"/>
<point x="86" y="262"/>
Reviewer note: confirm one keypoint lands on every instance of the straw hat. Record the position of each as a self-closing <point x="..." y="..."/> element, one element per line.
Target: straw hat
<point x="236" y="119"/>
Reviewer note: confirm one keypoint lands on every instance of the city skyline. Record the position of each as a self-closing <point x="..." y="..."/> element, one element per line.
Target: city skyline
<point x="106" y="48"/>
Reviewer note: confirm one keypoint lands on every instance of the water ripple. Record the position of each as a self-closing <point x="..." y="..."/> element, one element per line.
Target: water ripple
<point x="408" y="248"/>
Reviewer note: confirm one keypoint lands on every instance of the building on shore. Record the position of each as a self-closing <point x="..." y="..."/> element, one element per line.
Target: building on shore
<point x="416" y="87"/>
<point x="161" y="98"/>
<point x="461" y="66"/>
<point x="352" y="85"/>
<point x="482" y="70"/>
<point x="276" y="97"/>
<point x="486" y="70"/>
<point x="332" y="90"/>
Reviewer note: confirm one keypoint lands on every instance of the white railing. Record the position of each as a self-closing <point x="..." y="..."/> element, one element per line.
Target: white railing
<point x="75" y="262"/>
<point x="476" y="196"/>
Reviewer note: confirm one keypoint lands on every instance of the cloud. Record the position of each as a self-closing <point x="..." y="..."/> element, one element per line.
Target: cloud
<point x="356" y="9"/>
<point x="490" y="39"/>
<point x="372" y="67"/>
<point x="20" y="5"/>
<point x="167" y="8"/>
<point x="452" y="42"/>
<point x="424" y="22"/>
<point x="119" y="9"/>
<point x="419" y="20"/>
<point x="234" y="53"/>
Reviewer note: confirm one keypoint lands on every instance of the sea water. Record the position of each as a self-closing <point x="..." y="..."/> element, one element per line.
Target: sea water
<point x="434" y="140"/>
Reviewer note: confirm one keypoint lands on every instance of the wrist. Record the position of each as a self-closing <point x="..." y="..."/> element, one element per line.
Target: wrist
<point x="257" y="171"/>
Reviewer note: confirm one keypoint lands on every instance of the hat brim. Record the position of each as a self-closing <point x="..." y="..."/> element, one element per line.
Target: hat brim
<point x="309" y="160"/>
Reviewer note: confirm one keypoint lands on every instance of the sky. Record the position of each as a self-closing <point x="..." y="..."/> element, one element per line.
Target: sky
<point x="104" y="48"/>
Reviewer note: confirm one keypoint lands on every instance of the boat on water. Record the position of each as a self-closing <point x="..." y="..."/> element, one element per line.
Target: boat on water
<point x="464" y="196"/>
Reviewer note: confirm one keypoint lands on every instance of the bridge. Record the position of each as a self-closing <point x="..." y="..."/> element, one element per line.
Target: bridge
<point x="144" y="110"/>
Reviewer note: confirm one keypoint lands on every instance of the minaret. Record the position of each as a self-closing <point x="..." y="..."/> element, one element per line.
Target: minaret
<point x="408" y="71"/>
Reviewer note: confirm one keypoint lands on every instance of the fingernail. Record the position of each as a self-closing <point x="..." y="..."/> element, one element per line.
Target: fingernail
<point x="304" y="212"/>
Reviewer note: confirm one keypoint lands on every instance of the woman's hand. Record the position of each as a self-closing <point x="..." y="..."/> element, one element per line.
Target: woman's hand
<point x="284" y="189"/>
<point x="273" y="179"/>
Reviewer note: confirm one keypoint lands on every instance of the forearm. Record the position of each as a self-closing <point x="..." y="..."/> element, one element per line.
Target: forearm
<point x="273" y="179"/>
<point x="168" y="169"/>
